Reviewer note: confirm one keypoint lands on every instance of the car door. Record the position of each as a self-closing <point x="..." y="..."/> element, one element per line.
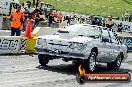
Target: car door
<point x="106" y="44"/>
<point x="115" y="45"/>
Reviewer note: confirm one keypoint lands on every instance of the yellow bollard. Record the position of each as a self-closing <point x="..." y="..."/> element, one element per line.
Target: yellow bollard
<point x="31" y="41"/>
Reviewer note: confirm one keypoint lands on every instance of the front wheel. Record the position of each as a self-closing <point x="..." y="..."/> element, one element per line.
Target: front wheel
<point x="43" y="59"/>
<point x="116" y="64"/>
<point x="90" y="64"/>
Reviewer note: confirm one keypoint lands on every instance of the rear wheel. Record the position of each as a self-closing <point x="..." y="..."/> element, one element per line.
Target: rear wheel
<point x="77" y="62"/>
<point x="90" y="64"/>
<point x="43" y="59"/>
<point x="116" y="64"/>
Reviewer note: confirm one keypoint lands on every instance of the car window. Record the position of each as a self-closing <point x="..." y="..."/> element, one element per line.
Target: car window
<point x="114" y="38"/>
<point x="105" y="35"/>
<point x="84" y="30"/>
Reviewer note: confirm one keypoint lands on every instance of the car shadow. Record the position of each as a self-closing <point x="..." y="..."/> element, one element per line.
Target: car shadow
<point x="72" y="69"/>
<point x="69" y="69"/>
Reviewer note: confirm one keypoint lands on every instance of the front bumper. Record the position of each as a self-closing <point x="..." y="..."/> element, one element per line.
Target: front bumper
<point x="68" y="55"/>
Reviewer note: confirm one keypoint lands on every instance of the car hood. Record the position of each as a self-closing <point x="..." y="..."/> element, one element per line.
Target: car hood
<point x="68" y="38"/>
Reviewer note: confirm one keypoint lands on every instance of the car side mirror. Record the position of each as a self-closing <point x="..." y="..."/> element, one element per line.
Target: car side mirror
<point x="105" y="40"/>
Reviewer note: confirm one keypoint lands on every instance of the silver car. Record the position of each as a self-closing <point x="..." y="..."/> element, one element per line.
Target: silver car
<point x="82" y="43"/>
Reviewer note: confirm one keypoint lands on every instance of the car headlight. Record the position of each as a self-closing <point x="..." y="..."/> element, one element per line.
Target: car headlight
<point x="41" y="42"/>
<point x="79" y="46"/>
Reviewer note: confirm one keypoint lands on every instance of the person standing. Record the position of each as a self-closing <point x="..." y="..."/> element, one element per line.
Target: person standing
<point x="109" y="22"/>
<point x="120" y="27"/>
<point x="16" y="19"/>
<point x="60" y="17"/>
<point x="50" y="19"/>
<point x="36" y="20"/>
<point x="69" y="20"/>
<point x="126" y="16"/>
<point x="26" y="15"/>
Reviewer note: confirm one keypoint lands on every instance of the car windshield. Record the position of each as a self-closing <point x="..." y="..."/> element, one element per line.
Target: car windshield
<point x="82" y="30"/>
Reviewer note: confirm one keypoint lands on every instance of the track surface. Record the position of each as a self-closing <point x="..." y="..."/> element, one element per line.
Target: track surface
<point x="25" y="71"/>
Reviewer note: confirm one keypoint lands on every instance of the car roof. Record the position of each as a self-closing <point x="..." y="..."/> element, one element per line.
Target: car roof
<point x="84" y="25"/>
<point x="78" y="26"/>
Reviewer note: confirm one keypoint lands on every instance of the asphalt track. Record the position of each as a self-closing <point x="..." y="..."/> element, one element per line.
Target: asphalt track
<point x="25" y="71"/>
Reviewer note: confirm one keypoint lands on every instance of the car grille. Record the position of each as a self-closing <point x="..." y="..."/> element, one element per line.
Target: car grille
<point x="55" y="45"/>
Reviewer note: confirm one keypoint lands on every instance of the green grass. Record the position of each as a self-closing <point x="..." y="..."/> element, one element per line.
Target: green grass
<point x="93" y="7"/>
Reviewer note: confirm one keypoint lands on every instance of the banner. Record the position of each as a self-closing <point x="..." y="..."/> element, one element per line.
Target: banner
<point x="9" y="45"/>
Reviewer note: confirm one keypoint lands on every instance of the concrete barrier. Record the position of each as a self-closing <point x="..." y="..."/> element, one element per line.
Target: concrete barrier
<point x="5" y="32"/>
<point x="18" y="44"/>
<point x="9" y="44"/>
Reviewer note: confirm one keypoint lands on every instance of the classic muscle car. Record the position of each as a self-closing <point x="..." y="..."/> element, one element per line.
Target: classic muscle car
<point x="82" y="43"/>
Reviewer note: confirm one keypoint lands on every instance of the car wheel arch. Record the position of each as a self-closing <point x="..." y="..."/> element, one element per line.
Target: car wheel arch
<point x="122" y="55"/>
<point x="87" y="65"/>
<point x="95" y="49"/>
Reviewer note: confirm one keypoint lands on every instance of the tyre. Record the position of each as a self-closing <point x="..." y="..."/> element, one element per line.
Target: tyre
<point x="43" y="59"/>
<point x="116" y="64"/>
<point x="90" y="64"/>
<point x="77" y="62"/>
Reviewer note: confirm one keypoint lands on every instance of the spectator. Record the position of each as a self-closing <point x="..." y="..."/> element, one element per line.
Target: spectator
<point x="16" y="19"/>
<point x="103" y="22"/>
<point x="26" y="14"/>
<point x="80" y="20"/>
<point x="60" y="17"/>
<point x="126" y="16"/>
<point x="36" y="20"/>
<point x="130" y="17"/>
<point x="50" y="19"/>
<point x="120" y="28"/>
<point x="109" y="22"/>
<point x="94" y="22"/>
<point x="69" y="20"/>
